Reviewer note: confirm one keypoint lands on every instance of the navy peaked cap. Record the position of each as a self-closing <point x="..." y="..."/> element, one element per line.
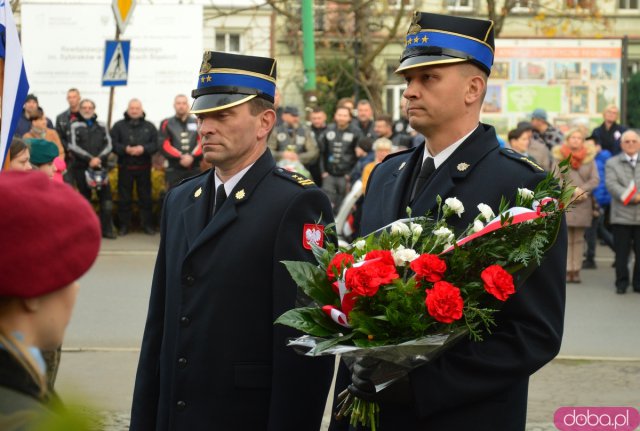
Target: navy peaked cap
<point x="440" y="39"/>
<point x="228" y="80"/>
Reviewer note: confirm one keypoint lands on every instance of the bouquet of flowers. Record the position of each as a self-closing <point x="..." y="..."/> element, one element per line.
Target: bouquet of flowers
<point x="405" y="293"/>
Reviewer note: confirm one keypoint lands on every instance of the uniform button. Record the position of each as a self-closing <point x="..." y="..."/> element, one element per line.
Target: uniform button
<point x="189" y="279"/>
<point x="185" y="321"/>
<point x="182" y="362"/>
<point x="181" y="405"/>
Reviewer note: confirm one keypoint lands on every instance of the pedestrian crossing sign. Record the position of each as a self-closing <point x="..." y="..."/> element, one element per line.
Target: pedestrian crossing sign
<point x="116" y="63"/>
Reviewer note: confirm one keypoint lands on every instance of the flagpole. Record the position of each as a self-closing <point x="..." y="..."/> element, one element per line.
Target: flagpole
<point x="8" y="158"/>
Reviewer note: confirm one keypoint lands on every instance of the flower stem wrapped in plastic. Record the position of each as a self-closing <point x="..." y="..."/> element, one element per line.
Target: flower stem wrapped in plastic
<point x="407" y="292"/>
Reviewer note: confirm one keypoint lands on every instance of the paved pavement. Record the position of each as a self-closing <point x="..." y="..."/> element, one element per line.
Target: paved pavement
<point x="599" y="363"/>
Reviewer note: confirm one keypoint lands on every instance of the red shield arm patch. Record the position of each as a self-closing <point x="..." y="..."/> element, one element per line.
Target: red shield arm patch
<point x="312" y="234"/>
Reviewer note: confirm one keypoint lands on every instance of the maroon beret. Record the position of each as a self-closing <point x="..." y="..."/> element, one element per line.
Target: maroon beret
<point x="49" y="234"/>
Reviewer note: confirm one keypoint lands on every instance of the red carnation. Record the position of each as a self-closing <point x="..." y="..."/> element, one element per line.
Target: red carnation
<point x="384" y="255"/>
<point x="428" y="267"/>
<point x="444" y="302"/>
<point x="339" y="262"/>
<point x="498" y="282"/>
<point x="366" y="279"/>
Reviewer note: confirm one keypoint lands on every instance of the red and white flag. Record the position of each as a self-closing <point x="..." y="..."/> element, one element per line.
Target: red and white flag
<point x="629" y="193"/>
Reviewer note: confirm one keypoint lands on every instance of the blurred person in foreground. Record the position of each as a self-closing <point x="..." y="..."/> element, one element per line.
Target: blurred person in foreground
<point x="480" y="386"/>
<point x="211" y="357"/>
<point x="36" y="299"/>
<point x="583" y="174"/>
<point x="622" y="179"/>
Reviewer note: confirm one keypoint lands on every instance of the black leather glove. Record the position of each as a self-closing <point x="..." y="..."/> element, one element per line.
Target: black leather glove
<point x="363" y="383"/>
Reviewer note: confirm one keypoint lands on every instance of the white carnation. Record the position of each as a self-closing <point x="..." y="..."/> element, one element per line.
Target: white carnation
<point x="400" y="228"/>
<point x="444" y="233"/>
<point x="454" y="205"/>
<point x="360" y="244"/>
<point x="416" y="229"/>
<point x="486" y="211"/>
<point x="402" y="255"/>
<point x="525" y="193"/>
<point x="477" y="226"/>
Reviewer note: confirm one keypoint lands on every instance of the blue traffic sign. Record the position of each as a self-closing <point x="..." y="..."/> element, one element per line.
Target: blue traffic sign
<point x="116" y="63"/>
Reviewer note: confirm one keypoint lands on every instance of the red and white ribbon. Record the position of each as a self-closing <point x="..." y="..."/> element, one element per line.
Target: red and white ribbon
<point x="519" y="215"/>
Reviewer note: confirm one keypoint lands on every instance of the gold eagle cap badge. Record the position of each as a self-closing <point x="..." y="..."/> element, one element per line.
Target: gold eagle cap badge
<point x="462" y="166"/>
<point x="415" y="27"/>
<point x="240" y="194"/>
<point x="198" y="192"/>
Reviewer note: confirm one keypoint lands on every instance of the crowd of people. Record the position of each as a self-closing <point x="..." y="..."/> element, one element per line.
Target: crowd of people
<point x="81" y="151"/>
<point x="334" y="154"/>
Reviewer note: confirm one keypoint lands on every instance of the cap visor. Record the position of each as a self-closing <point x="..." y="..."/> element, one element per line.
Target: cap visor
<point x="426" y="60"/>
<point x="218" y="102"/>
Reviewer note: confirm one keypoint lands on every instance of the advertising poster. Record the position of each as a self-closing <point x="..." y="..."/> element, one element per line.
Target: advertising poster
<point x="569" y="78"/>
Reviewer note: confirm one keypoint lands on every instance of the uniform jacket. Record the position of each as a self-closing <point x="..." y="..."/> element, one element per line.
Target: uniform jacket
<point x="299" y="139"/>
<point x="179" y="137"/>
<point x="89" y="138"/>
<point x="338" y="149"/>
<point x="63" y="125"/>
<point x="130" y="131"/>
<point x="587" y="178"/>
<point x="619" y="173"/>
<point x="211" y="357"/>
<point x="480" y="386"/>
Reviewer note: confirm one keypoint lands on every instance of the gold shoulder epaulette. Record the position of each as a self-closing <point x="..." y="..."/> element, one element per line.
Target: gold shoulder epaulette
<point x="297" y="178"/>
<point x="512" y="154"/>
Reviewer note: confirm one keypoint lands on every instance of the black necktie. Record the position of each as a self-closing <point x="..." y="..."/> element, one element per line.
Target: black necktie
<point x="428" y="167"/>
<point x="221" y="196"/>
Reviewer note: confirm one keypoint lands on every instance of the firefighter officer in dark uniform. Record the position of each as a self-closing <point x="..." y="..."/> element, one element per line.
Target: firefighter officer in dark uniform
<point x="292" y="140"/>
<point x="179" y="143"/>
<point x="211" y="357"/>
<point x="338" y="155"/>
<point x="480" y="386"/>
